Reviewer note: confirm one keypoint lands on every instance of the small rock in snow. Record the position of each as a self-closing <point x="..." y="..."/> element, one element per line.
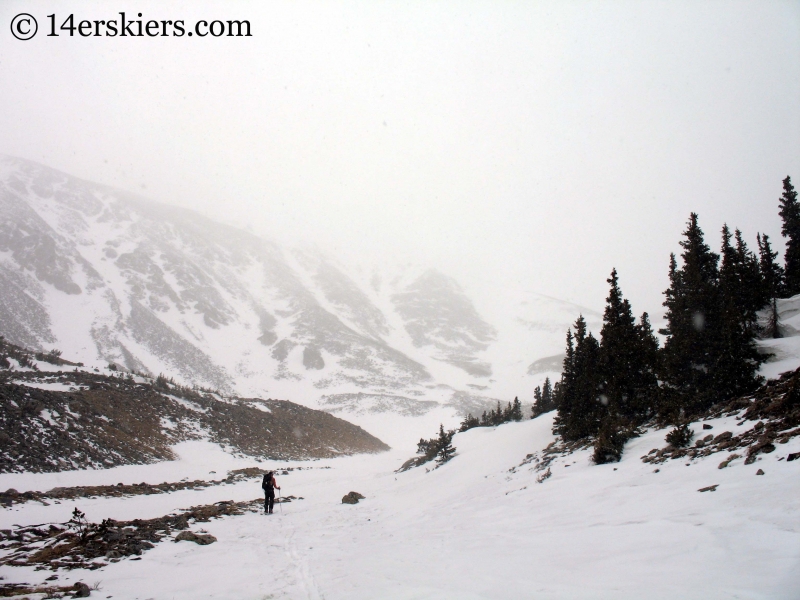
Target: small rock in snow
<point x="760" y="472"/>
<point x="710" y="488"/>
<point x="352" y="498"/>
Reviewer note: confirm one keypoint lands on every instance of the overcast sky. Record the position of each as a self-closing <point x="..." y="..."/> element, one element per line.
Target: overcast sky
<point x="527" y="144"/>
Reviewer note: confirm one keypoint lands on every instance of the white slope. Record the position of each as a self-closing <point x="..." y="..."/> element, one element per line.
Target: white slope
<point x="478" y="527"/>
<point x="784" y="351"/>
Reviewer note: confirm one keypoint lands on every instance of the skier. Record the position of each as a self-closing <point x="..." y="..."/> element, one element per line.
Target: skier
<point x="268" y="484"/>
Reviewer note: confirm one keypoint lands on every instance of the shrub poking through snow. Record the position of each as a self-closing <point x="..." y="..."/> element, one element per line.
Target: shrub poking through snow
<point x="439" y="448"/>
<point x="609" y="443"/>
<point x="680" y="437"/>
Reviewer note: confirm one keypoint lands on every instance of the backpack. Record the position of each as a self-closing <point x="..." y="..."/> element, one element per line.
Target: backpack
<point x="266" y="483"/>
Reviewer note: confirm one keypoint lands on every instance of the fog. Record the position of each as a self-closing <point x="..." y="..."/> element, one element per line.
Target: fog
<point x="531" y="145"/>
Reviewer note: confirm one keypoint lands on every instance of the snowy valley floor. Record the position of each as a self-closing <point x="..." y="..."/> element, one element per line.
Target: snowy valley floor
<point x="470" y="529"/>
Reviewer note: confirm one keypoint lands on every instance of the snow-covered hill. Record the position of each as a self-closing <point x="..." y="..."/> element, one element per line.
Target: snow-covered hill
<point x="480" y="526"/>
<point x="108" y="277"/>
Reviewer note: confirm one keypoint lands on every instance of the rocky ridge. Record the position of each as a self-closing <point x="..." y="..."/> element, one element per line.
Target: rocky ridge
<point x="60" y="420"/>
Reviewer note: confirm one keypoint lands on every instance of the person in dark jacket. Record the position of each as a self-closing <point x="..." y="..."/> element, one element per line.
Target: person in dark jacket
<point x="268" y="484"/>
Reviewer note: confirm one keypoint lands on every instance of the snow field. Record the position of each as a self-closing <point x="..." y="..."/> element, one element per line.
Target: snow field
<point x="469" y="529"/>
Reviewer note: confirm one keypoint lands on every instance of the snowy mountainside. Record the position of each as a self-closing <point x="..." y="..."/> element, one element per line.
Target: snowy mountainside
<point x="109" y="277"/>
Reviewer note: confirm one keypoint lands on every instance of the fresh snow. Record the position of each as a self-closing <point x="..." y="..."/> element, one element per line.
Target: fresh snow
<point x="480" y="526"/>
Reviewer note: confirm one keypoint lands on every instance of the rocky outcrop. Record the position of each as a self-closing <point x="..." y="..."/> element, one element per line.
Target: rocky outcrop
<point x="75" y="420"/>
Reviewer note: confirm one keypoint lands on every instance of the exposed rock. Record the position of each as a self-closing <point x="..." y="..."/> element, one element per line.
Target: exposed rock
<point x="707" y="426"/>
<point x="74" y="545"/>
<point x="81" y="590"/>
<point x="793" y="456"/>
<point x="198" y="538"/>
<point x="723" y="437"/>
<point x="312" y="358"/>
<point x="760" y="472"/>
<point x="543" y="476"/>
<point x="352" y="498"/>
<point x="101" y="421"/>
<point x="728" y="461"/>
<point x="710" y="488"/>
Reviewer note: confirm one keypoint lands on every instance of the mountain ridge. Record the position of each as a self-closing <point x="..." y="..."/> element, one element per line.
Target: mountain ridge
<point x="111" y="277"/>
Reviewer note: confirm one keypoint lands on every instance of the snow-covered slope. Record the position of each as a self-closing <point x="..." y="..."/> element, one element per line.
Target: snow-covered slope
<point x="480" y="526"/>
<point x="109" y="277"/>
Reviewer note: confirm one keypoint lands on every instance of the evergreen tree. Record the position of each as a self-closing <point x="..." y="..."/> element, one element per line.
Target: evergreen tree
<point x="543" y="399"/>
<point x="469" y="422"/>
<point x="537" y="400"/>
<point x="547" y="394"/>
<point x="771" y="283"/>
<point x="649" y="360"/>
<point x="445" y="449"/>
<point x="580" y="386"/>
<point x="790" y="214"/>
<point x="692" y="323"/>
<point x="627" y="361"/>
<point x="749" y="285"/>
<point x="610" y="441"/>
<point x="515" y="414"/>
<point x="737" y="359"/>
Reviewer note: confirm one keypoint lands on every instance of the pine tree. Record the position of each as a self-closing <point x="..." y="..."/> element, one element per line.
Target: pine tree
<point x="580" y="386"/>
<point x="566" y="384"/>
<point x="610" y="441"/>
<point x="692" y="323"/>
<point x="537" y="407"/>
<point x="737" y="359"/>
<point x="771" y="283"/>
<point x="749" y="291"/>
<point x="627" y="363"/>
<point x="516" y="411"/>
<point x="544" y="399"/>
<point x="790" y="214"/>
<point x="468" y="423"/>
<point x="445" y="449"/>
<point x="650" y="356"/>
<point x="547" y="394"/>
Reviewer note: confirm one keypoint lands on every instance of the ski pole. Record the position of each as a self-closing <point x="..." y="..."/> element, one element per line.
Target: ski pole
<point x="280" y="498"/>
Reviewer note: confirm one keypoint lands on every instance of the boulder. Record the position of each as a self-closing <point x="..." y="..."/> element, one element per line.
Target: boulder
<point x="197" y="538"/>
<point x="723" y="437"/>
<point x="728" y="461"/>
<point x="352" y="498"/>
<point x="707" y="426"/>
<point x="759" y="472"/>
<point x="81" y="590"/>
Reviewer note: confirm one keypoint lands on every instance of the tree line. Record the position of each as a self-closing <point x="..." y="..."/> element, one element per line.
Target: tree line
<point x="611" y="385"/>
